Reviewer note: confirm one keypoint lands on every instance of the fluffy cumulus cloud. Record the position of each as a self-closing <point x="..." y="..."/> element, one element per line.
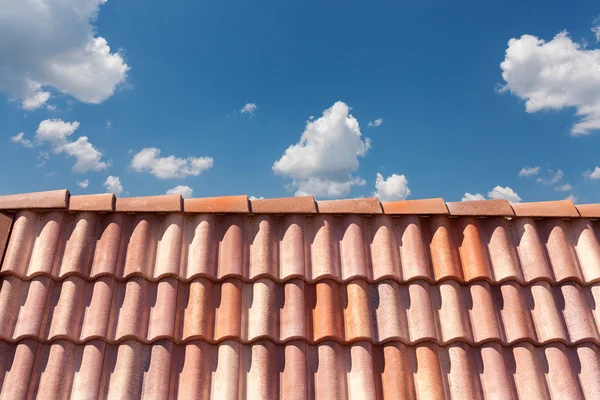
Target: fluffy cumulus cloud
<point x="554" y="75"/>
<point x="529" y="171"/>
<point x="395" y="187"/>
<point x="52" y="45"/>
<point x="185" y="191"/>
<point x="170" y="167"/>
<point x="505" y="193"/>
<point x="113" y="185"/>
<point x="376" y="123"/>
<point x="57" y="132"/>
<point x="592" y="174"/>
<point x="572" y="197"/>
<point x="472" y="197"/>
<point x="497" y="193"/>
<point x="248" y="108"/>
<point x="322" y="162"/>
<point x="83" y="184"/>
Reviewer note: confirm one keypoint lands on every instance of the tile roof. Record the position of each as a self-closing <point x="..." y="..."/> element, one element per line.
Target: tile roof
<point x="160" y="297"/>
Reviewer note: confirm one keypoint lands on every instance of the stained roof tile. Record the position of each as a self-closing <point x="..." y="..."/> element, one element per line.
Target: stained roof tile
<point x="225" y="301"/>
<point x="36" y="201"/>
<point x="289" y="205"/>
<point x="559" y="208"/>
<point x="481" y="208"/>
<point x="352" y="206"/>
<point x="93" y="202"/>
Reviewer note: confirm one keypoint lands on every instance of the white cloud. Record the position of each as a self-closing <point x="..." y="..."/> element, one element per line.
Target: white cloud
<point x="184" y="191"/>
<point x="169" y="167"/>
<point x="325" y="187"/>
<point x="529" y="171"/>
<point x="53" y="44"/>
<point x="596" y="28"/>
<point x="326" y="155"/>
<point x="19" y="138"/>
<point x="248" y="108"/>
<point x="56" y="132"/>
<point x="256" y="198"/>
<point x="554" y="75"/>
<point x="88" y="157"/>
<point x="83" y="184"/>
<point x="556" y="177"/>
<point x="572" y="197"/>
<point x="395" y="187"/>
<point x="595" y="174"/>
<point x="563" y="188"/>
<point x="36" y="101"/>
<point x="506" y="193"/>
<point x="376" y="123"/>
<point x="472" y="197"/>
<point x="44" y="156"/>
<point x="113" y="185"/>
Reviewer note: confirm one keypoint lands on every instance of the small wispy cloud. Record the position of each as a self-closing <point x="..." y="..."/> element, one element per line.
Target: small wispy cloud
<point x="555" y="177"/>
<point x="83" y="184"/>
<point x="20" y="139"/>
<point x="376" y="123"/>
<point x="249" y="108"/>
<point x="594" y="175"/>
<point x="529" y="171"/>
<point x="563" y="188"/>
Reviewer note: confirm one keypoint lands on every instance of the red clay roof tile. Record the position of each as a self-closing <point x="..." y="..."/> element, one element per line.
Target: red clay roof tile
<point x="226" y="204"/>
<point x="481" y="208"/>
<point x="418" y="207"/>
<point x="58" y="199"/>
<point x="559" y="208"/>
<point x="264" y="304"/>
<point x="6" y="221"/>
<point x="93" y="202"/>
<point x="588" y="210"/>
<point x="163" y="203"/>
<point x="287" y="205"/>
<point x="352" y="206"/>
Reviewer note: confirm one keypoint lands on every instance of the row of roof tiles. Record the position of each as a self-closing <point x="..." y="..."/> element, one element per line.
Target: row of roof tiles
<point x="263" y="370"/>
<point x="448" y="312"/>
<point x="61" y="199"/>
<point x="311" y="247"/>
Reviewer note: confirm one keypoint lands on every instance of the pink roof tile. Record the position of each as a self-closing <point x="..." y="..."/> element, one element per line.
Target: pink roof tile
<point x="339" y="300"/>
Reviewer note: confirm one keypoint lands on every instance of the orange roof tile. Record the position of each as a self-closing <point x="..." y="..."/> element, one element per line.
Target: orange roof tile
<point x="222" y="301"/>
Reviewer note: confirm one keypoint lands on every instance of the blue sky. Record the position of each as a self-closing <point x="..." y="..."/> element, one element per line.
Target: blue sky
<point x="158" y="92"/>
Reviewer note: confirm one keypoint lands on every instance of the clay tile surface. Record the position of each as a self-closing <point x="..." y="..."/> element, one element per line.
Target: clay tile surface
<point x="289" y="205"/>
<point x="225" y="302"/>
<point x="92" y="202"/>
<point x="424" y="207"/>
<point x="559" y="208"/>
<point x="351" y="206"/>
<point x="58" y="199"/>
<point x="481" y="208"/>
<point x="164" y="203"/>
<point x="225" y="204"/>
<point x="589" y="210"/>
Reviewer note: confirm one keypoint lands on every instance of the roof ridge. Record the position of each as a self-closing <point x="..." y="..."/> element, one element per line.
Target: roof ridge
<point x="63" y="200"/>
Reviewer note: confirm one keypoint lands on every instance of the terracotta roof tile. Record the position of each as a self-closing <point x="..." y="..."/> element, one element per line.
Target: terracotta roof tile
<point x="588" y="210"/>
<point x="289" y="205"/>
<point x="164" y="203"/>
<point x="226" y="204"/>
<point x="58" y="199"/>
<point x="352" y="206"/>
<point x="422" y="207"/>
<point x="559" y="208"/>
<point x="93" y="202"/>
<point x="481" y="208"/>
<point x="234" y="303"/>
